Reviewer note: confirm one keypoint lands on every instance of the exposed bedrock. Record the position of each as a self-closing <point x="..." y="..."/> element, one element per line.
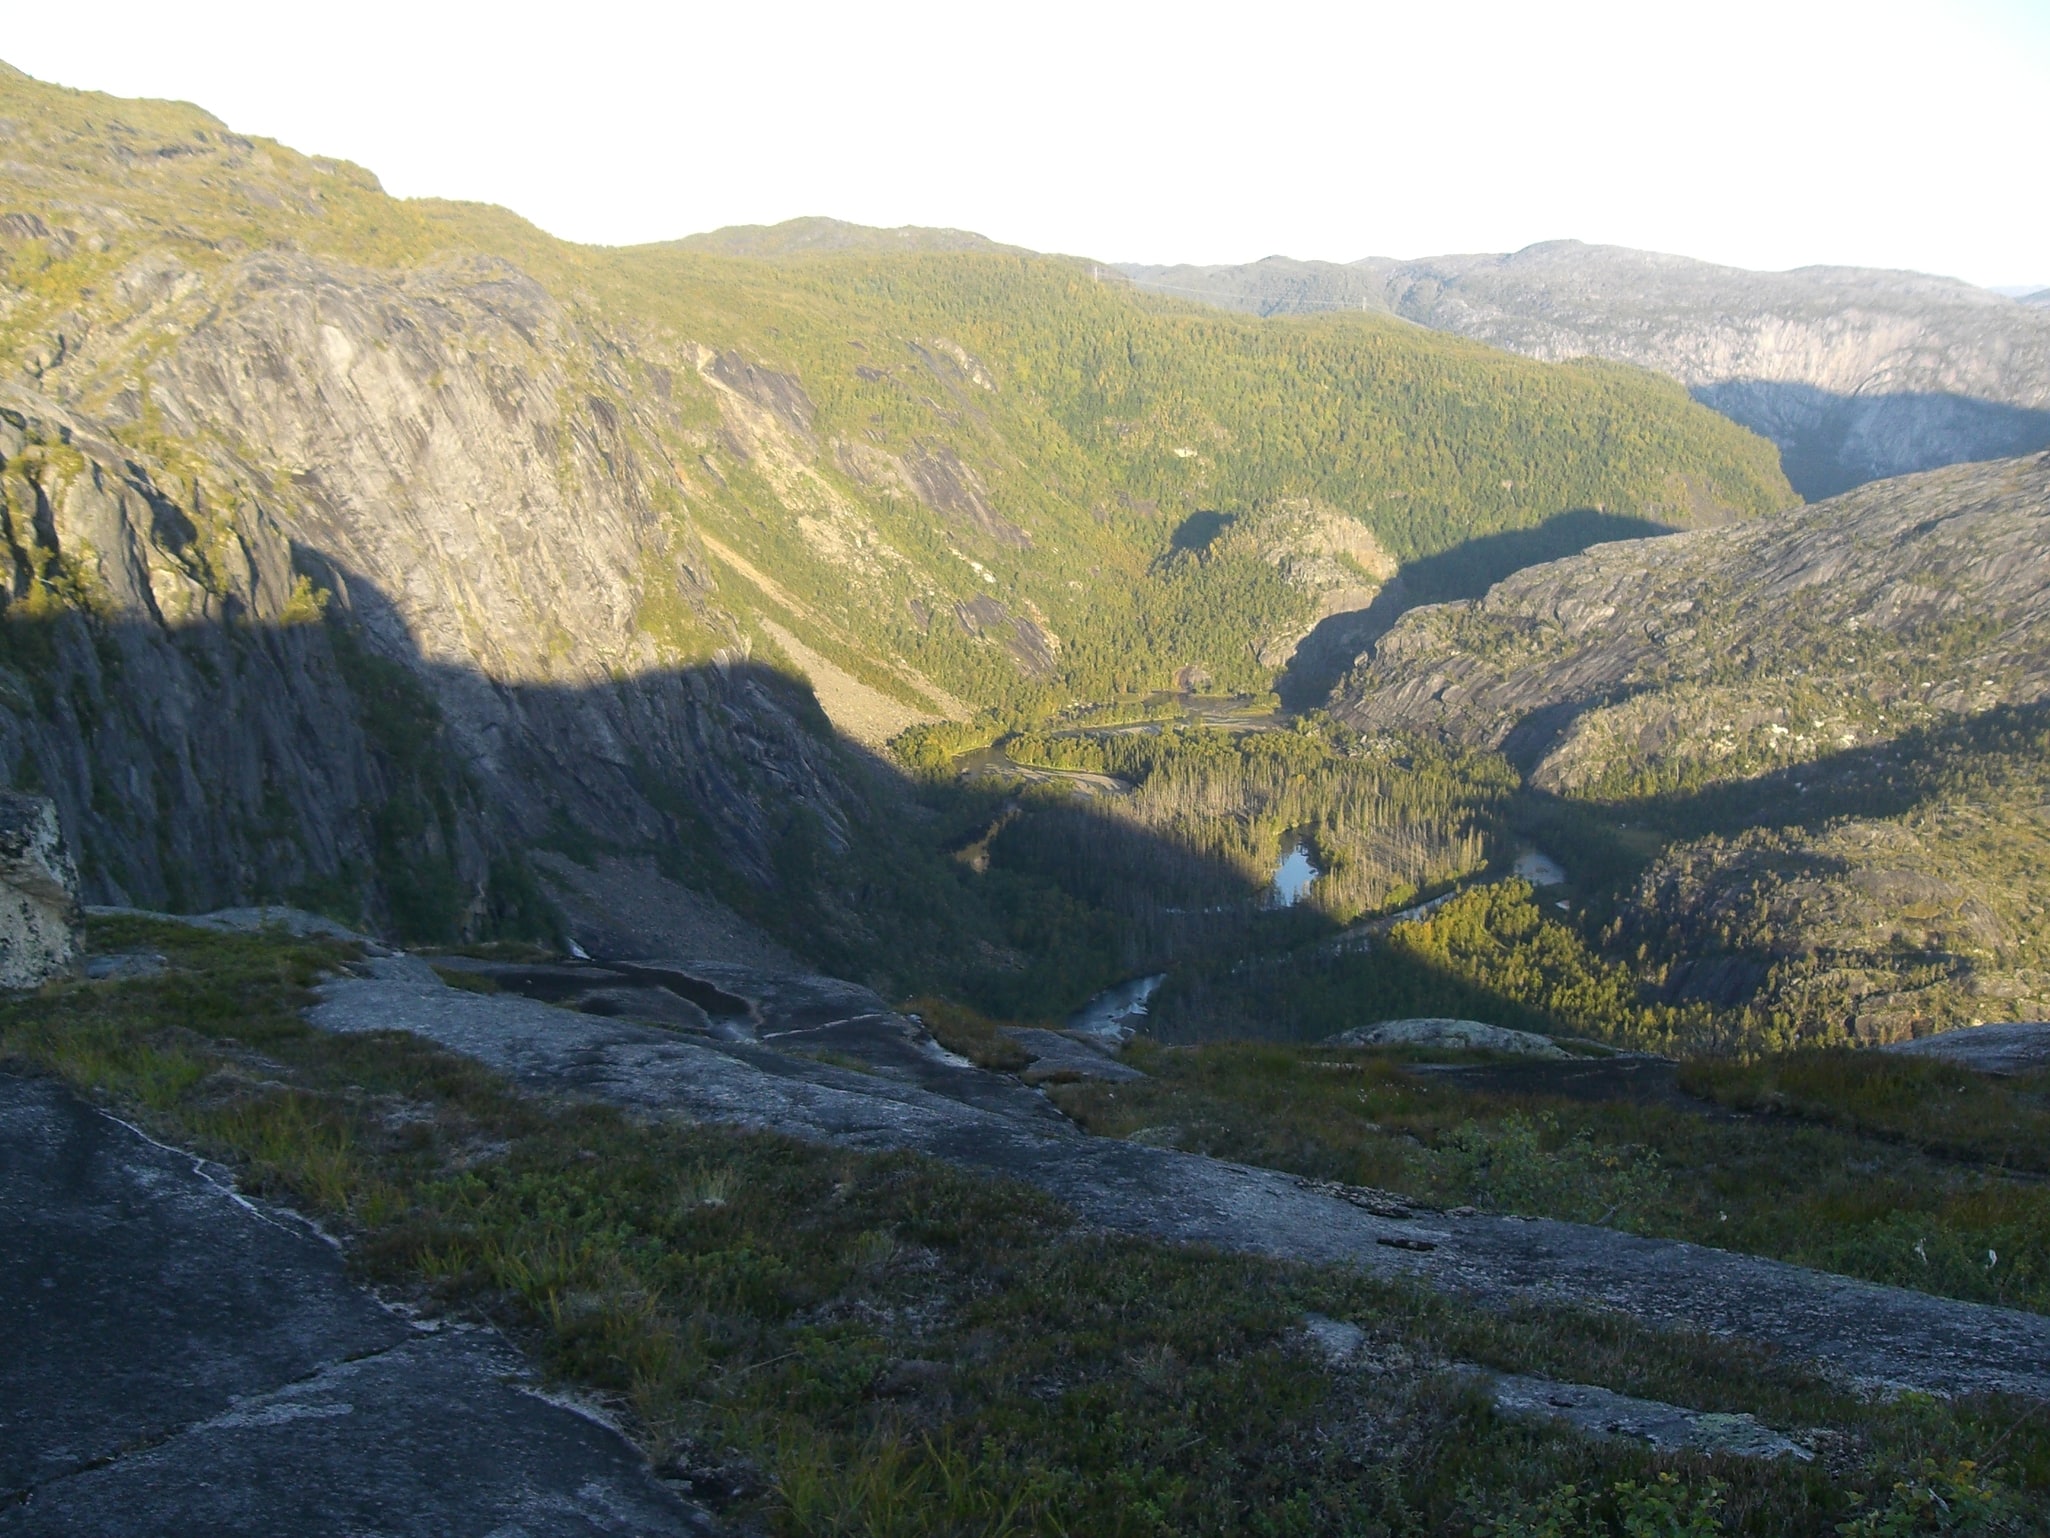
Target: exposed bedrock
<point x="39" y="912"/>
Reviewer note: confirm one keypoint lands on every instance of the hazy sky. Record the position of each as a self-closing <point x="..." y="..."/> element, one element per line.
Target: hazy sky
<point x="1764" y="133"/>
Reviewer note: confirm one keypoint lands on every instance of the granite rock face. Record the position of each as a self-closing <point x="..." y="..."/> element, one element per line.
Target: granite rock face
<point x="184" y="1360"/>
<point x="39" y="912"/>
<point x="991" y="1123"/>
<point x="1856" y="374"/>
<point x="1689" y="647"/>
<point x="117" y="708"/>
<point x="407" y="582"/>
<point x="2020" y="1047"/>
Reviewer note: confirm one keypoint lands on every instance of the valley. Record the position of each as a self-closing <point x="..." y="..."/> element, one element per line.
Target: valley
<point x="871" y="882"/>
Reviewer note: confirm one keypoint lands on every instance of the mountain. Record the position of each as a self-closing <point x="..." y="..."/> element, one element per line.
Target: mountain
<point x="1803" y="761"/>
<point x="817" y="236"/>
<point x="1856" y="374"/>
<point x="360" y="546"/>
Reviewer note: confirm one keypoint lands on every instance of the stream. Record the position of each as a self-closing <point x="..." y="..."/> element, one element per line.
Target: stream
<point x="1113" y="1016"/>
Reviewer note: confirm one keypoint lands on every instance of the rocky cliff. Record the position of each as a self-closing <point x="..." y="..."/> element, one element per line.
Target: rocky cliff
<point x="1856" y="374"/>
<point x="329" y="579"/>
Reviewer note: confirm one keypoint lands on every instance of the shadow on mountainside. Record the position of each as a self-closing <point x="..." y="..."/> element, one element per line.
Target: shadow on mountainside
<point x="1467" y="570"/>
<point x="1830" y="442"/>
<point x="1734" y="859"/>
<point x="328" y="764"/>
<point x="1925" y="766"/>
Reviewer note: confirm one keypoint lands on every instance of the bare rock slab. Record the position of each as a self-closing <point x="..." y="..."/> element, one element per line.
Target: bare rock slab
<point x="180" y="1360"/>
<point x="140" y="1296"/>
<point x="2021" y="1047"/>
<point x="1884" y="1337"/>
<point x="1060" y="1057"/>
<point x="1604" y="1413"/>
<point x="1457" y="1035"/>
<point x="439" y="1436"/>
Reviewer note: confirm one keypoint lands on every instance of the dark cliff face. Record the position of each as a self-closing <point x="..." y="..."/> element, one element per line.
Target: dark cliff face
<point x="200" y="747"/>
<point x="223" y="713"/>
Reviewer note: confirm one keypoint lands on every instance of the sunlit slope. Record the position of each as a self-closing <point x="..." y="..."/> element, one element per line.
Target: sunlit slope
<point x="955" y="478"/>
<point x="1061" y="433"/>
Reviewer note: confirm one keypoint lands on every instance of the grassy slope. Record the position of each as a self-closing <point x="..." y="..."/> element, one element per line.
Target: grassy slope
<point x="829" y="1342"/>
<point x="1100" y="421"/>
<point x="1893" y="1170"/>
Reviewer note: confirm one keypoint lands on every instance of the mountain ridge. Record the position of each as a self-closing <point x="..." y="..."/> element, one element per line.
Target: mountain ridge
<point x="1856" y="373"/>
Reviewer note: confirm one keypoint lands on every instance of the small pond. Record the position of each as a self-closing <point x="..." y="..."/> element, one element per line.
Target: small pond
<point x="1292" y="876"/>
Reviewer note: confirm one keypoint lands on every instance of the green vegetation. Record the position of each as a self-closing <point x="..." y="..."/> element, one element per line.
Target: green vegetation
<point x="1388" y="817"/>
<point x="822" y="1342"/>
<point x="969" y="1033"/>
<point x="1843" y="1175"/>
<point x="1487" y="954"/>
<point x="1935" y="1107"/>
<point x="1873" y="891"/>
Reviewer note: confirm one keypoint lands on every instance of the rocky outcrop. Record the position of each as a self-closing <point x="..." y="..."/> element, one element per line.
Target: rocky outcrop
<point x="2022" y="1047"/>
<point x="1743" y="648"/>
<point x="244" y="1384"/>
<point x="991" y="1124"/>
<point x="180" y="622"/>
<point x="1837" y="715"/>
<point x="1452" y="1035"/>
<point x="39" y="912"/>
<point x="398" y="725"/>
<point x="1856" y="374"/>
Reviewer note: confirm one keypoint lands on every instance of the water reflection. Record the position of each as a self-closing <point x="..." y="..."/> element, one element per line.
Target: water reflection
<point x="1292" y="877"/>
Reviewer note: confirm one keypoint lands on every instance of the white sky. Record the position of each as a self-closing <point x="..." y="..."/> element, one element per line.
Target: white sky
<point x="1763" y="133"/>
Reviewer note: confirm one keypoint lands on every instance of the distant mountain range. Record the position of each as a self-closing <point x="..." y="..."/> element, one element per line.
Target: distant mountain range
<point x="1855" y="373"/>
